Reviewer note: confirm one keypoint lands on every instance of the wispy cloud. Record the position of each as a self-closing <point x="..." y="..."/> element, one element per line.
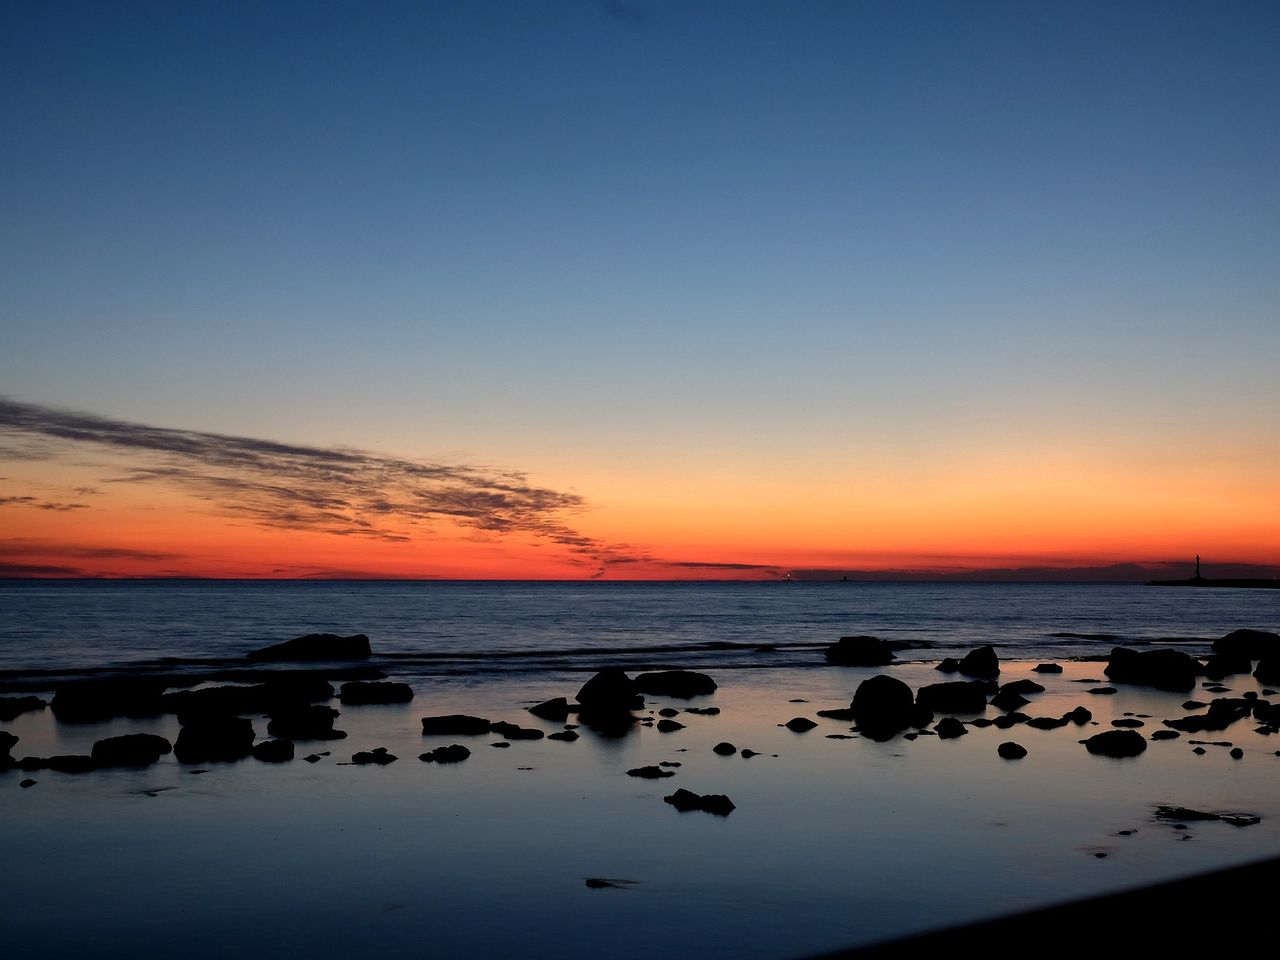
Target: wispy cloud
<point x="334" y="490"/>
<point x="39" y="504"/>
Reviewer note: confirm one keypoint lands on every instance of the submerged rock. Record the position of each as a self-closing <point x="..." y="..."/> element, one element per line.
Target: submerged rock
<point x="860" y="651"/>
<point x="208" y="739"/>
<point x="948" y="665"/>
<point x="682" y="684"/>
<point x="510" y="731"/>
<point x="1079" y="716"/>
<point x="1048" y="723"/>
<point x="378" y="755"/>
<point x="609" y="690"/>
<point x="703" y="711"/>
<point x="1008" y="700"/>
<point x="669" y="726"/>
<point x="949" y="728"/>
<point x="1128" y="722"/>
<point x="565" y="736"/>
<point x="454" y="753"/>
<point x="1116" y="743"/>
<point x="799" y="724"/>
<point x="1047" y="668"/>
<point x="650" y="773"/>
<point x="556" y="710"/>
<point x="315" y="646"/>
<point x="1221" y="714"/>
<point x="130" y="750"/>
<point x="1023" y="686"/>
<point x="360" y="692"/>
<point x="306" y="722"/>
<point x="714" y="803"/>
<point x="957" y="696"/>
<point x="724" y="749"/>
<point x="62" y="763"/>
<point x="1165" y="735"/>
<point x="1011" y="751"/>
<point x="455" y="725"/>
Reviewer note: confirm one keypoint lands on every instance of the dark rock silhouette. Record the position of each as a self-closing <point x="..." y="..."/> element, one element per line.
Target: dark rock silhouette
<point x="954" y="696"/>
<point x="212" y="738"/>
<point x="1008" y="700"/>
<point x="360" y="692"/>
<point x="130" y="750"/>
<point x="1222" y="665"/>
<point x="511" y="731"/>
<point x="668" y="712"/>
<point x="1102" y="691"/>
<point x="610" y="690"/>
<point x="1169" y="670"/>
<point x="882" y="705"/>
<point x="1116" y="743"/>
<point x="305" y="722"/>
<point x="1165" y="735"/>
<point x="1011" y="719"/>
<point x="1175" y="814"/>
<point x="1011" y="751"/>
<point x="1022" y="687"/>
<point x="703" y="711"/>
<point x="378" y="755"/>
<point x="1079" y="716"/>
<point x="90" y="701"/>
<point x="1249" y="644"/>
<point x="27" y="783"/>
<point x="948" y="665"/>
<point x="725" y="749"/>
<point x="981" y="662"/>
<point x="1221" y="714"/>
<point x="799" y="724"/>
<point x="669" y="726"/>
<point x="1048" y="723"/>
<point x="1268" y="669"/>
<point x="277" y="694"/>
<point x="7" y="742"/>
<point x="682" y="684"/>
<point x="715" y="803"/>
<point x="13" y="707"/>
<point x="314" y="647"/>
<point x="567" y="736"/>
<point x="1047" y="668"/>
<point x="454" y="753"/>
<point x="949" y="728"/>
<point x="650" y="773"/>
<point x="274" y="751"/>
<point x="860" y="651"/>
<point x="1129" y="723"/>
<point x="556" y="710"/>
<point x="1236" y="753"/>
<point x="455" y="725"/>
<point x="842" y="713"/>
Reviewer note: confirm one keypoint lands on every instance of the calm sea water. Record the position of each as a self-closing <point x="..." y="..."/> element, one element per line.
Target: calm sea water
<point x="438" y="628"/>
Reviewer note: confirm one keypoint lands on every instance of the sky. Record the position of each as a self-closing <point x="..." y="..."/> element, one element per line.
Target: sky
<point x="637" y="289"/>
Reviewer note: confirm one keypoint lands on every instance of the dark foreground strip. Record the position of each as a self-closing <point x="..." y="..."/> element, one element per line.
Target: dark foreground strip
<point x="1149" y="921"/>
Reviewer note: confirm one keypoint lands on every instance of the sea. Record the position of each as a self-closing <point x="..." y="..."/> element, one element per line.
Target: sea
<point x="557" y="846"/>
<point x="472" y="628"/>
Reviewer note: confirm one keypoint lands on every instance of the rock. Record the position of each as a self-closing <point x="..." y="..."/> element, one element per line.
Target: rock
<point x="1102" y="691"/>
<point x="799" y="724"/>
<point x="313" y="757"/>
<point x="360" y="692"/>
<point x="455" y="725"/>
<point x="1193" y="705"/>
<point x="860" y="651"/>
<point x="378" y="755"/>
<point x="1169" y="670"/>
<point x="948" y="665"/>
<point x="1222" y="665"/>
<point x="724" y="749"/>
<point x="669" y="726"/>
<point x="981" y="662"/>
<point x="1006" y="700"/>
<point x="1199" y="750"/>
<point x="844" y="714"/>
<point x="208" y="739"/>
<point x="1047" y="668"/>
<point x="958" y="696"/>
<point x="13" y="707"/>
<point x="27" y="783"/>
<point x="454" y="753"/>
<point x="748" y="754"/>
<point x="1011" y="751"/>
<point x="130" y="750"/>
<point x="275" y="751"/>
<point x="681" y="684"/>
<point x="510" y="731"/>
<point x="565" y="736"/>
<point x="90" y="701"/>
<point x="7" y="743"/>
<point x="1249" y="644"/>
<point x="315" y="646"/>
<point x="1241" y="820"/>
<point x="715" y="803"/>
<point x="305" y="722"/>
<point x="949" y="728"/>
<point x="1008" y="720"/>
<point x="1268" y="669"/>
<point x="1047" y="723"/>
<point x="1023" y="686"/>
<point x="1221" y="714"/>
<point x="63" y="763"/>
<point x="668" y="712"/>
<point x="610" y="690"/>
<point x="881" y="706"/>
<point x="1129" y="722"/>
<point x="1116" y="743"/>
<point x="1237" y="753"/>
<point x="231" y="700"/>
<point x="556" y="710"/>
<point x="650" y="773"/>
<point x="703" y="711"/>
<point x="1165" y="735"/>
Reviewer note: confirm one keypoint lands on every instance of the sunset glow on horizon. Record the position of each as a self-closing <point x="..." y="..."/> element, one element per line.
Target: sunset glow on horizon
<point x="638" y="291"/>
